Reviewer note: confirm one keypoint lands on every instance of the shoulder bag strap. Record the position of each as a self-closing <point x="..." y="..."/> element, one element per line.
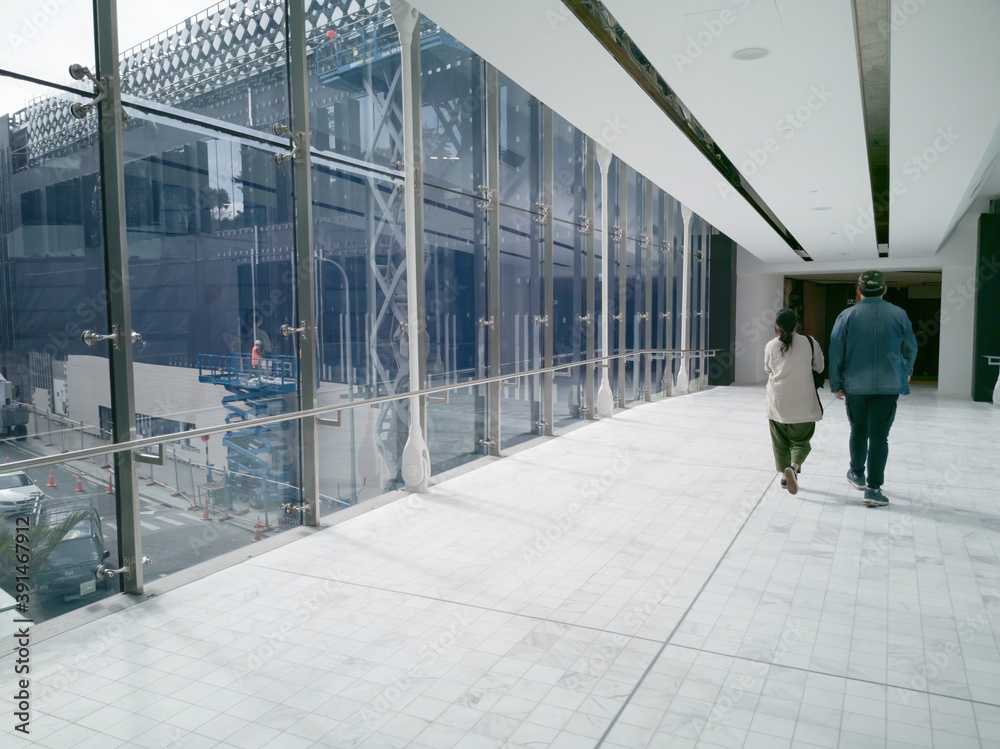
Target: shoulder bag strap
<point x="812" y="355"/>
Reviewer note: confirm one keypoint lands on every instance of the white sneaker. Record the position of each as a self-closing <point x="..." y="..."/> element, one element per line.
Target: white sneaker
<point x="790" y="481"/>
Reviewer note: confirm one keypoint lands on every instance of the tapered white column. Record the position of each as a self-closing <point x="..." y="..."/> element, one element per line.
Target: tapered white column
<point x="416" y="460"/>
<point x="605" y="400"/>
<point x="682" y="376"/>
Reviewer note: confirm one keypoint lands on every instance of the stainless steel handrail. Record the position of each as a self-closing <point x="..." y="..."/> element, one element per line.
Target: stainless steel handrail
<point x="92" y="452"/>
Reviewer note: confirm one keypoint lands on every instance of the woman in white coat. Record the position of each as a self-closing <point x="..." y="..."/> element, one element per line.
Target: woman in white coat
<point x="793" y="406"/>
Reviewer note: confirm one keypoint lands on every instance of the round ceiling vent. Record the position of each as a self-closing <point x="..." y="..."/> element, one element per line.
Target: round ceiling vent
<point x="750" y="53"/>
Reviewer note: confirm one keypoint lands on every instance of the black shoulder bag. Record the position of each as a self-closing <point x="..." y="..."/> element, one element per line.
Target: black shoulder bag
<point x="817" y="376"/>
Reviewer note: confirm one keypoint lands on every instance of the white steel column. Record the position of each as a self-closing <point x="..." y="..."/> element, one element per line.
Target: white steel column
<point x="605" y="400"/>
<point x="416" y="460"/>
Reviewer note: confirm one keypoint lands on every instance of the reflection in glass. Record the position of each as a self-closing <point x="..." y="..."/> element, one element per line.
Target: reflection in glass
<point x="520" y="146"/>
<point x="51" y="280"/>
<point x="453" y="96"/>
<point x="455" y="270"/>
<point x="520" y="334"/>
<point x="569" y="335"/>
<point x="360" y="256"/>
<point x="358" y="94"/>
<point x="210" y="266"/>
<point x="569" y="188"/>
<point x="43" y="39"/>
<point x="228" y="61"/>
<point x="66" y="520"/>
<point x="193" y="509"/>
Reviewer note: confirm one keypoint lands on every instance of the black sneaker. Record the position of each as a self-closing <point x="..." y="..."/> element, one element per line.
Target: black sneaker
<point x="875" y="498"/>
<point x="857" y="480"/>
<point x="789" y="481"/>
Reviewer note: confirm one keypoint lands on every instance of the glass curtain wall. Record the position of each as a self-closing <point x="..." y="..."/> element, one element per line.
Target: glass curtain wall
<point x="52" y="289"/>
<point x="521" y="333"/>
<point x="453" y="102"/>
<point x="635" y="301"/>
<point x="214" y="257"/>
<point x="571" y="230"/>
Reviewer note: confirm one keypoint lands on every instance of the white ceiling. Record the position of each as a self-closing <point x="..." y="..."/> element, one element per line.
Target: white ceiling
<point x="544" y="49"/>
<point x="786" y="120"/>
<point x="945" y="63"/>
<point x="945" y="77"/>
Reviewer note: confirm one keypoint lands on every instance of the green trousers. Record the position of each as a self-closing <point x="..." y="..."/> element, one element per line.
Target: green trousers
<point x="791" y="443"/>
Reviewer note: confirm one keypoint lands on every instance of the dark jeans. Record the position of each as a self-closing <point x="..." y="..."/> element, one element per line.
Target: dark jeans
<point x="871" y="418"/>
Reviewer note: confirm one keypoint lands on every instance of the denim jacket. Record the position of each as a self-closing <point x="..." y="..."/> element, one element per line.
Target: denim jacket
<point x="872" y="349"/>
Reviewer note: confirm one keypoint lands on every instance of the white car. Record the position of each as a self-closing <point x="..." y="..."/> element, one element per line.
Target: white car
<point x="18" y="493"/>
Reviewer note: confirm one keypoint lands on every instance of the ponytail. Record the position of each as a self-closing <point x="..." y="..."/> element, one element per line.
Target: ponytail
<point x="785" y="323"/>
<point x="785" y="336"/>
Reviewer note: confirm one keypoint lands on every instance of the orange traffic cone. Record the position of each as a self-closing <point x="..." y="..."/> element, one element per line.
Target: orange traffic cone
<point x="256" y="535"/>
<point x="79" y="483"/>
<point x="52" y="477"/>
<point x="111" y="488"/>
<point x="8" y="459"/>
<point x="205" y="515"/>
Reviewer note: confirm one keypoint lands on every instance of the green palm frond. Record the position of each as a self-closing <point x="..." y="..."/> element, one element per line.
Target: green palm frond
<point x="42" y="539"/>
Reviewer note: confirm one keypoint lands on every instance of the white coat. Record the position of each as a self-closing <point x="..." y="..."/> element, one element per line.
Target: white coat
<point x="791" y="394"/>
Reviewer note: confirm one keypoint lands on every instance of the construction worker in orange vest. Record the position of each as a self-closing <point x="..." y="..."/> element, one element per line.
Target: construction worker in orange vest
<point x="255" y="355"/>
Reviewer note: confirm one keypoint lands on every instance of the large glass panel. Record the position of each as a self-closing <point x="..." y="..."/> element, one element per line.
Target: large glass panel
<point x="64" y="515"/>
<point x="42" y="39"/>
<point x="634" y="291"/>
<point x="569" y="334"/>
<point x="52" y="288"/>
<point x="455" y="272"/>
<point x="360" y="267"/>
<point x="520" y="146"/>
<point x="696" y="319"/>
<point x="210" y="274"/>
<point x="453" y="98"/>
<point x="569" y="156"/>
<point x="251" y="467"/>
<point x="617" y="206"/>
<point x="675" y="282"/>
<point x="520" y="335"/>
<point x="660" y="302"/>
<point x="569" y="268"/>
<point x="227" y="61"/>
<point x="357" y="94"/>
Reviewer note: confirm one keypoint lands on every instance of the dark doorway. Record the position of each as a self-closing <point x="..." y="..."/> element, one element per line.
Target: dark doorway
<point x="819" y="299"/>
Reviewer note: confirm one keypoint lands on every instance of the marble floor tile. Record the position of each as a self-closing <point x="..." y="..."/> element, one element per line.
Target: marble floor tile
<point x="640" y="582"/>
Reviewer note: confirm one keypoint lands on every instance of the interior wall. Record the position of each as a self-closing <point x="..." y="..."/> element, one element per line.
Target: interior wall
<point x="957" y="323"/>
<point x="759" y="296"/>
<point x="959" y="283"/>
<point x="758" y="284"/>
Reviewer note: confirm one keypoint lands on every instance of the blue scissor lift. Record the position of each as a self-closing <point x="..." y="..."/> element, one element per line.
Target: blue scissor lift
<point x="259" y="460"/>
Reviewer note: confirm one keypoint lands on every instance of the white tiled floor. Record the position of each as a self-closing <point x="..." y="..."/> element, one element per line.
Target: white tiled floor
<point x="642" y="582"/>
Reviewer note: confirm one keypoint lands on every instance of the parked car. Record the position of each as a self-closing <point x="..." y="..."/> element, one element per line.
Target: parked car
<point x="18" y="493"/>
<point x="68" y="570"/>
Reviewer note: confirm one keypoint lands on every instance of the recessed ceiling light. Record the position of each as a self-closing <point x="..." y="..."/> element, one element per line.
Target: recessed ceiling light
<point x="823" y="208"/>
<point x="750" y="53"/>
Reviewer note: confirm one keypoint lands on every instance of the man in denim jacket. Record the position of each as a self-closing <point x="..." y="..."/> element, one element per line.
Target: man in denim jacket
<point x="872" y="351"/>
